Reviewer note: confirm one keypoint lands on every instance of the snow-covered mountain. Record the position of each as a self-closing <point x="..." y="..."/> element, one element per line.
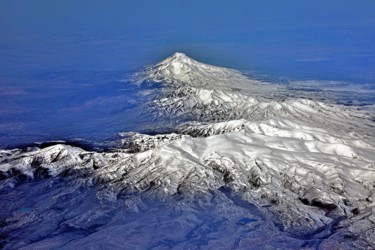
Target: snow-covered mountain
<point x="308" y="166"/>
<point x="180" y="69"/>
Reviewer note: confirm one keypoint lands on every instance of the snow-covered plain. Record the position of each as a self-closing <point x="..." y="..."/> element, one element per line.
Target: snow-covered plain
<point x="305" y="168"/>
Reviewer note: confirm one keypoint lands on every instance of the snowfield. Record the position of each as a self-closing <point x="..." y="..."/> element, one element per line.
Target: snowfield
<point x="307" y="166"/>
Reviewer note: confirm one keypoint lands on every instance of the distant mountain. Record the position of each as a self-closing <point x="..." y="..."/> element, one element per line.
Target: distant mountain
<point x="180" y="69"/>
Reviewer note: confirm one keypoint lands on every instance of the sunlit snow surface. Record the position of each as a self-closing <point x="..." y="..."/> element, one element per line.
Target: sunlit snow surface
<point x="246" y="164"/>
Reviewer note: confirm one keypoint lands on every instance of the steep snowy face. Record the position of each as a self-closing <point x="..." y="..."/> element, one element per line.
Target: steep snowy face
<point x="179" y="69"/>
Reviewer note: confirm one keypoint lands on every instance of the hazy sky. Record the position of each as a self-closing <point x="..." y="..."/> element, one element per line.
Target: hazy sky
<point x="281" y="37"/>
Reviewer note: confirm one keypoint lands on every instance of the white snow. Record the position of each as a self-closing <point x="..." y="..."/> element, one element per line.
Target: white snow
<point x="179" y="69"/>
<point x="312" y="162"/>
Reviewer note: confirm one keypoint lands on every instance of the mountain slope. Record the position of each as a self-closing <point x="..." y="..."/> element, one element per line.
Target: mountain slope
<point x="179" y="69"/>
<point x="308" y="167"/>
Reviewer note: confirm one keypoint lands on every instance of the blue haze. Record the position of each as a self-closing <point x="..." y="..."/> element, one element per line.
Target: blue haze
<point x="59" y="57"/>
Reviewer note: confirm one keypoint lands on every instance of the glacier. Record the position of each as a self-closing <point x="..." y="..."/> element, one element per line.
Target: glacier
<point x="304" y="168"/>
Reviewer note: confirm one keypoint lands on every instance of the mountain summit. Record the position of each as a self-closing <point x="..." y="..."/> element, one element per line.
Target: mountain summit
<point x="176" y="66"/>
<point x="180" y="69"/>
<point x="179" y="57"/>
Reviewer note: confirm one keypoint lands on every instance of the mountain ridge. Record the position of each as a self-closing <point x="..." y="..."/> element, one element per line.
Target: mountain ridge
<point x="306" y="165"/>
